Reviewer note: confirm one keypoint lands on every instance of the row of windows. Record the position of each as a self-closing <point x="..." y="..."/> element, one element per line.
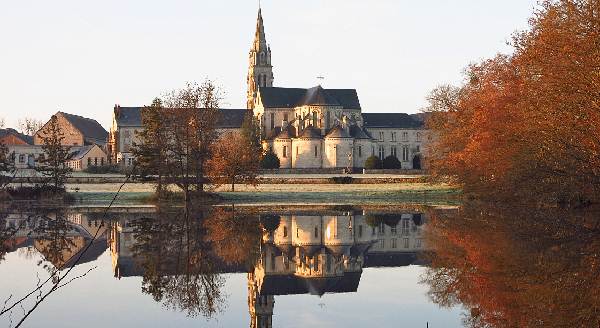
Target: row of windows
<point x="95" y="161"/>
<point x="405" y="243"/>
<point x="381" y="152"/>
<point x="394" y="136"/>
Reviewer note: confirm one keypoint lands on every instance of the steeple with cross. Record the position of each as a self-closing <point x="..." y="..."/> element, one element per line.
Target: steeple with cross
<point x="260" y="70"/>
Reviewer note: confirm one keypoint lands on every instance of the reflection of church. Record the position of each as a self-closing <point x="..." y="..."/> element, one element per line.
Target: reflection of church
<point x="318" y="254"/>
<point x="325" y="128"/>
<point x="303" y="253"/>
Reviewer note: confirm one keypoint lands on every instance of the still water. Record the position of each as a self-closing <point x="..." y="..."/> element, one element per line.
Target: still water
<point x="350" y="266"/>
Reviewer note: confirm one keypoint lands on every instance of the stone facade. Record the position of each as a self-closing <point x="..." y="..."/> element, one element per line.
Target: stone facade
<point x="326" y="128"/>
<point x="76" y="130"/>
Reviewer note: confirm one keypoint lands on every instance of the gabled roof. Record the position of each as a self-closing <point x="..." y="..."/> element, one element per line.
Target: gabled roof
<point x="132" y="117"/>
<point x="286" y="133"/>
<point x="9" y="131"/>
<point x="319" y="97"/>
<point x="88" y="127"/>
<point x="391" y="120"/>
<point x="294" y="97"/>
<point x="311" y="133"/>
<point x="338" y="132"/>
<point x="79" y="152"/>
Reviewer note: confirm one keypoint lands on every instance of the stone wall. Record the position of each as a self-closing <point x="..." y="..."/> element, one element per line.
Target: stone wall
<point x="72" y="136"/>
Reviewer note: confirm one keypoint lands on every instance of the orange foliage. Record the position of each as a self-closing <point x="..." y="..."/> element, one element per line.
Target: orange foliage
<point x="528" y="123"/>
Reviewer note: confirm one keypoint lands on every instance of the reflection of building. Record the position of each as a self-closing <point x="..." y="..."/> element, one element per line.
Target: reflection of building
<point x="63" y="241"/>
<point x="320" y="254"/>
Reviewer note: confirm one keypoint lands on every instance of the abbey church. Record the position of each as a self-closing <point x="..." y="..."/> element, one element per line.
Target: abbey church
<point x="325" y="128"/>
<point x="313" y="128"/>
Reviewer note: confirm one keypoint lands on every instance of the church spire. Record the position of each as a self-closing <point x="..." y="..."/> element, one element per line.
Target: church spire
<point x="260" y="70"/>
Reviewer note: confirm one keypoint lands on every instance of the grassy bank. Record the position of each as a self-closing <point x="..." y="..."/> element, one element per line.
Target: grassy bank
<point x="287" y="193"/>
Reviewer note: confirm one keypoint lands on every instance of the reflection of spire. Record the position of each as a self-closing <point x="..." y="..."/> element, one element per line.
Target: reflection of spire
<point x="260" y="306"/>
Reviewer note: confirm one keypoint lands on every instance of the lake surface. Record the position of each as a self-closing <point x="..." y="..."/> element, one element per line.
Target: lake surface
<point x="337" y="266"/>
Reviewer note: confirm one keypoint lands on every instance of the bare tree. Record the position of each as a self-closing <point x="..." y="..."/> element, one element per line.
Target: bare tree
<point x="29" y="126"/>
<point x="2" y="122"/>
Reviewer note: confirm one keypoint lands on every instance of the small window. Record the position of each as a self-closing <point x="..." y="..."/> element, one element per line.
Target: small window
<point x="296" y="151"/>
<point x="381" y="153"/>
<point x="21" y="158"/>
<point x="285" y="117"/>
<point x="359" y="151"/>
<point x="316" y="151"/>
<point x="381" y="136"/>
<point x="284" y="231"/>
<point x="316" y="232"/>
<point x="284" y="155"/>
<point x="95" y="161"/>
<point x="393" y="136"/>
<point x="360" y="231"/>
<point x="89" y="161"/>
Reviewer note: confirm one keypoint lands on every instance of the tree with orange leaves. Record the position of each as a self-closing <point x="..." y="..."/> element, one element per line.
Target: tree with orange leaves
<point x="528" y="123"/>
<point x="233" y="160"/>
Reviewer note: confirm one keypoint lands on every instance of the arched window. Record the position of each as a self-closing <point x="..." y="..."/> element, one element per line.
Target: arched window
<point x="284" y="152"/>
<point x="285" y="231"/>
<point x="328" y="119"/>
<point x="316" y="232"/>
<point x="314" y="119"/>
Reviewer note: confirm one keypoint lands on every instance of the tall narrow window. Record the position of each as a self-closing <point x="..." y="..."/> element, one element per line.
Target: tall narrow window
<point x="360" y="231"/>
<point x="272" y="121"/>
<point x="314" y="119"/>
<point x="405" y="153"/>
<point x="418" y="136"/>
<point x="393" y="136"/>
<point x="393" y="151"/>
<point x="359" y="151"/>
<point x="284" y="231"/>
<point x="381" y="136"/>
<point x="296" y="151"/>
<point x="381" y="152"/>
<point x="404" y="136"/>
<point x="316" y="151"/>
<point x="285" y="117"/>
<point x="316" y="232"/>
<point x="284" y="154"/>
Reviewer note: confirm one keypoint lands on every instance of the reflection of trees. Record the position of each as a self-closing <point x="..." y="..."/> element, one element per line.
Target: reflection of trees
<point x="179" y="268"/>
<point x="234" y="235"/>
<point x="517" y="267"/>
<point x="56" y="240"/>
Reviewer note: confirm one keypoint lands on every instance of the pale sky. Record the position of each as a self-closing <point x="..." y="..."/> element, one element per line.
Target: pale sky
<point x="83" y="57"/>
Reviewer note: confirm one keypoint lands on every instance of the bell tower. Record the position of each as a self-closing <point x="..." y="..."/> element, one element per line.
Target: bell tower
<point x="260" y="70"/>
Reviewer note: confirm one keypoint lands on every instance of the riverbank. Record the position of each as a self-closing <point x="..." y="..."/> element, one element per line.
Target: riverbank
<point x="324" y="194"/>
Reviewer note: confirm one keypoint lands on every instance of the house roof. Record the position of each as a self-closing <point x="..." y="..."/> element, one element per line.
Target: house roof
<point x="79" y="152"/>
<point x="338" y="132"/>
<point x="9" y="131"/>
<point x="88" y="127"/>
<point x="286" y="133"/>
<point x="132" y="117"/>
<point x="392" y="120"/>
<point x="273" y="97"/>
<point x="231" y="118"/>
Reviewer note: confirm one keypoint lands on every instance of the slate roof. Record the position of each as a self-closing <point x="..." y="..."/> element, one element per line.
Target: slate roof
<point x="132" y="117"/>
<point x="273" y="97"/>
<point x="88" y="127"/>
<point x="337" y="132"/>
<point x="10" y="131"/>
<point x="231" y="118"/>
<point x="290" y="284"/>
<point x="359" y="133"/>
<point x="311" y="133"/>
<point x="79" y="152"/>
<point x="286" y="133"/>
<point x="392" y="120"/>
<point x="128" y="116"/>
